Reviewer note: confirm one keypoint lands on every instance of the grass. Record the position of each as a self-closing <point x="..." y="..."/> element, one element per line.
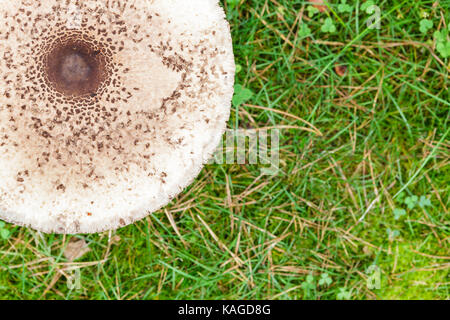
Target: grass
<point x="324" y="227"/>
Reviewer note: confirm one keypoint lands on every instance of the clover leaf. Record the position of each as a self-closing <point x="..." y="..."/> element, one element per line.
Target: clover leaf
<point x="325" y="280"/>
<point x="442" y="44"/>
<point x="4" y="233"/>
<point x="368" y="7"/>
<point x="241" y="95"/>
<point x="309" y="283"/>
<point x="411" y="202"/>
<point x="392" y="234"/>
<point x="425" y="25"/>
<point x="344" y="7"/>
<point x="312" y="11"/>
<point x="424" y="202"/>
<point x="344" y="294"/>
<point x="304" y="30"/>
<point x="328" y="26"/>
<point x="398" y="213"/>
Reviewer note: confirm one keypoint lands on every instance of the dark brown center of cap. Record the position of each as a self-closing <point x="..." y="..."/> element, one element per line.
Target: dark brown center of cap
<point x="75" y="68"/>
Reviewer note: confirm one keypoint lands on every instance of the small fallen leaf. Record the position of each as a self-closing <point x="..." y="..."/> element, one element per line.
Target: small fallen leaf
<point x="341" y="70"/>
<point x="76" y="249"/>
<point x="319" y="4"/>
<point x="116" y="239"/>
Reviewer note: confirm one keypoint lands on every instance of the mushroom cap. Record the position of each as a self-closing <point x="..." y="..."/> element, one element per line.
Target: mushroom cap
<point x="108" y="109"/>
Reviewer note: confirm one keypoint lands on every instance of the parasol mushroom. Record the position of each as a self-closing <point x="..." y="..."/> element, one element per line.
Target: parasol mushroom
<point x="108" y="109"/>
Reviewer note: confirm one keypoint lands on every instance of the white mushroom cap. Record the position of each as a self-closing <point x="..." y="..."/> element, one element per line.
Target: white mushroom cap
<point x="108" y="109"/>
